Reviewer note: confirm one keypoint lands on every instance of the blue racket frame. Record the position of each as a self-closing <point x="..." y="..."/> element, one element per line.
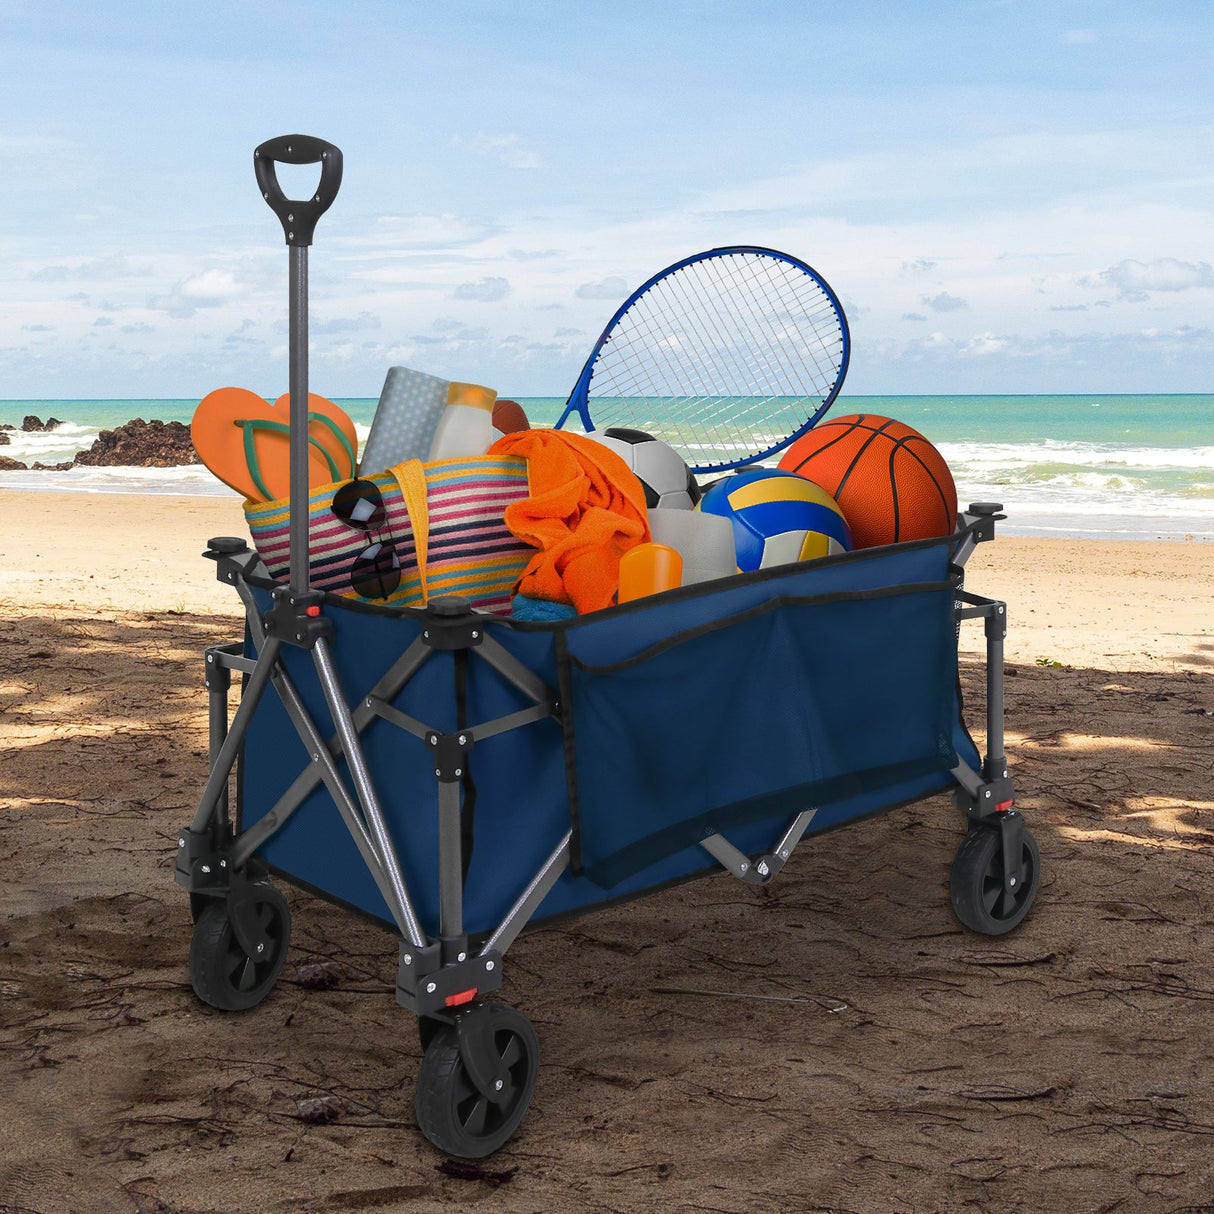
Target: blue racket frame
<point x="579" y="398"/>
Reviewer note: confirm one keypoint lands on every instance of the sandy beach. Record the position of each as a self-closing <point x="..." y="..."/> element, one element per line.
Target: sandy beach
<point x="840" y="1042"/>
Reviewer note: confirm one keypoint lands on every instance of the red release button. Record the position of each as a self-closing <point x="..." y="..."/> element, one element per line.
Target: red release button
<point x="313" y="611"/>
<point x="461" y="997"/>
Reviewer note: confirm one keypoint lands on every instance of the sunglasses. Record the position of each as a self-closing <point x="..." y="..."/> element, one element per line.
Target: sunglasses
<point x="376" y="570"/>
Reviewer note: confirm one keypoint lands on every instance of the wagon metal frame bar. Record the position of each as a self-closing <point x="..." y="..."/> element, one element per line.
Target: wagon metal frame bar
<point x="433" y="970"/>
<point x="211" y="843"/>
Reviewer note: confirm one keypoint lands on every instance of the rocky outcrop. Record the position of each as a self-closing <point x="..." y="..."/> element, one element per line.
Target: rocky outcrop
<point x="140" y="444"/>
<point x="10" y="465"/>
<point x="137" y="444"/>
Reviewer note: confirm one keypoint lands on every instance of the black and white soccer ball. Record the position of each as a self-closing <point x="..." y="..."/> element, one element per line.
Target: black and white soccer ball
<point x="668" y="482"/>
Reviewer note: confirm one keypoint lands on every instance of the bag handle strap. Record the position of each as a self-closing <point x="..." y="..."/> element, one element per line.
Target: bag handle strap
<point x="412" y="480"/>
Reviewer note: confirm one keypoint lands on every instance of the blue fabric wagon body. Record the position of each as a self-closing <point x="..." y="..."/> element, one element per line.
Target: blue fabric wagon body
<point x="727" y="707"/>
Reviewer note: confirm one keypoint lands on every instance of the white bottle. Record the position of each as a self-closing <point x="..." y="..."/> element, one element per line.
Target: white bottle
<point x="466" y="424"/>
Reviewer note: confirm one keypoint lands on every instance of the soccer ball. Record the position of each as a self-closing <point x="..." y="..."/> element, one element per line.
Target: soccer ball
<point x="776" y="520"/>
<point x="666" y="479"/>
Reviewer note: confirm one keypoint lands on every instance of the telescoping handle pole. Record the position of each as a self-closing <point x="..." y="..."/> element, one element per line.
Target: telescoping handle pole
<point x="298" y="218"/>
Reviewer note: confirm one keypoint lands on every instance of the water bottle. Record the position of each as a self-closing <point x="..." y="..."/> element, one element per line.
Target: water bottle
<point x="466" y="424"/>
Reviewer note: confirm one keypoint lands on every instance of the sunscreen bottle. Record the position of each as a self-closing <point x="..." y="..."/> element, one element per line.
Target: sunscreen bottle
<point x="466" y="424"/>
<point x="649" y="569"/>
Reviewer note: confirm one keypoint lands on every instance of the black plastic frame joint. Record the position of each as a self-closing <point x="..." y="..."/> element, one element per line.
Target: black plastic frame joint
<point x="450" y="753"/>
<point x="995" y="624"/>
<point x="992" y="799"/>
<point x="424" y="985"/>
<point x="298" y="618"/>
<point x="452" y="624"/>
<point x="224" y="551"/>
<point x="217" y="674"/>
<point x="984" y="515"/>
<point x="202" y="864"/>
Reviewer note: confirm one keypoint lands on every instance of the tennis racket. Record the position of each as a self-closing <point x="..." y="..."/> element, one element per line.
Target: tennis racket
<point x="728" y="356"/>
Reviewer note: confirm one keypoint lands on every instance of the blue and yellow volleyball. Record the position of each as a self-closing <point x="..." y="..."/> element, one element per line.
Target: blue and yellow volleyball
<point x="778" y="517"/>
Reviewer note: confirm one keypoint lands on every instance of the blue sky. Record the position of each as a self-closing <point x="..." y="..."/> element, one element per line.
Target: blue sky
<point x="1008" y="197"/>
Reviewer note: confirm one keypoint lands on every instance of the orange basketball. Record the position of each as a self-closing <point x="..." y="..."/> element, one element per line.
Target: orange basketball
<point x="889" y="481"/>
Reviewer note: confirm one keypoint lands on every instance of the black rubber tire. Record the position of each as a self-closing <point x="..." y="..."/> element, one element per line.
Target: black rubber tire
<point x="221" y="972"/>
<point x="427" y="1030"/>
<point x="976" y="886"/>
<point x="451" y="1113"/>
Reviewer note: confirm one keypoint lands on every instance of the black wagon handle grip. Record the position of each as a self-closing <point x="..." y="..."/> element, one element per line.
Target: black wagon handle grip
<point x="298" y="217"/>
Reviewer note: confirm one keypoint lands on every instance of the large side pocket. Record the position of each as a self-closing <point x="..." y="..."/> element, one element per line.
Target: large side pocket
<point x="797" y="701"/>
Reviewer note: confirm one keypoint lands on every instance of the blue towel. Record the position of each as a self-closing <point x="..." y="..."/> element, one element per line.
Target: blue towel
<point x="539" y="610"/>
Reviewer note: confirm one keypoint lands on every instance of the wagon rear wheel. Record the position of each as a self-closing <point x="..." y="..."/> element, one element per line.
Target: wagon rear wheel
<point x="222" y="973"/>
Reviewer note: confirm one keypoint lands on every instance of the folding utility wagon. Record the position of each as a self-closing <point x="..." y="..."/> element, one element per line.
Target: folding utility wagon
<point x="459" y="775"/>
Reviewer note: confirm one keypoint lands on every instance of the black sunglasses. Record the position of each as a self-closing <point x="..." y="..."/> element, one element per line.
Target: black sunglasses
<point x="376" y="570"/>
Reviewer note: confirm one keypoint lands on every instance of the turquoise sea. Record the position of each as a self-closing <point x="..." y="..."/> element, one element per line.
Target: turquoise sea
<point x="1101" y="466"/>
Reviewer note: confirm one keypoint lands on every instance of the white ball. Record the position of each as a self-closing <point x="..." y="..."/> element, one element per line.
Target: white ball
<point x="666" y="479"/>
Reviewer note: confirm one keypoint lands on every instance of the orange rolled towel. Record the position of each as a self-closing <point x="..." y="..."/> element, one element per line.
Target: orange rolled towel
<point x="585" y="511"/>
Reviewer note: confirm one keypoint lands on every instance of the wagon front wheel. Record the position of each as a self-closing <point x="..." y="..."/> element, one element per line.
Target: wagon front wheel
<point x="476" y="1080"/>
<point x="977" y="888"/>
<point x="223" y="972"/>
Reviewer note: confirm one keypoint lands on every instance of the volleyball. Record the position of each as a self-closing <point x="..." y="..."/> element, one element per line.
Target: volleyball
<point x="892" y="484"/>
<point x="778" y="517"/>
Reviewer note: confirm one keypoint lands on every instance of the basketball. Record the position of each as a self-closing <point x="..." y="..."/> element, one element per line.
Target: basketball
<point x="889" y="481"/>
<point x="777" y="518"/>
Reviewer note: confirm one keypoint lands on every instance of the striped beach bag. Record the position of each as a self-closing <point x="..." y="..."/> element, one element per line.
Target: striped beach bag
<point x="404" y="536"/>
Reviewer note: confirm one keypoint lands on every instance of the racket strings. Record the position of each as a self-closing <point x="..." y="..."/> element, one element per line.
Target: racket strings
<point x="715" y="349"/>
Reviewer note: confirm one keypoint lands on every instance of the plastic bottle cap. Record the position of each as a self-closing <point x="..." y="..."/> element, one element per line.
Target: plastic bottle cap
<point x="474" y="395"/>
<point x="647" y="569"/>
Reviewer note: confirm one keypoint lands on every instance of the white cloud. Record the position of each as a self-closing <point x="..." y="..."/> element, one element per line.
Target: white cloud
<point x="346" y="324"/>
<point x="944" y="302"/>
<point x="510" y="149"/>
<point x="488" y="290"/>
<point x="985" y="343"/>
<point x="209" y="289"/>
<point x="607" y="288"/>
<point x="114" y="266"/>
<point x="1133" y="280"/>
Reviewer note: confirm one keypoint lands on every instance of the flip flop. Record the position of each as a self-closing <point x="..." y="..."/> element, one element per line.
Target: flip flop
<point x="243" y="440"/>
<point x="331" y="427"/>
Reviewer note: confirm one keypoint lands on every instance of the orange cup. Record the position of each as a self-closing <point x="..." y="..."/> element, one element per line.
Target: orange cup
<point x="649" y="569"/>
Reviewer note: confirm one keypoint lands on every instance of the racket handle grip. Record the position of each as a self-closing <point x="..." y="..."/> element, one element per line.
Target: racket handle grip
<point x="649" y="569"/>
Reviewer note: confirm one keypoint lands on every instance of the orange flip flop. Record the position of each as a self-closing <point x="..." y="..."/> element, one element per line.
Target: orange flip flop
<point x="243" y="440"/>
<point x="331" y="427"/>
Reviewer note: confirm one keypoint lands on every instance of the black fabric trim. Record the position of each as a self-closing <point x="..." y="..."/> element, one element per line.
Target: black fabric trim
<point x="699" y="590"/>
<point x="760" y="609"/>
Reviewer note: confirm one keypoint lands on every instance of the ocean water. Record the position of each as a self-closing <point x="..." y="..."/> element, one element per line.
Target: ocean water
<point x="1099" y="466"/>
